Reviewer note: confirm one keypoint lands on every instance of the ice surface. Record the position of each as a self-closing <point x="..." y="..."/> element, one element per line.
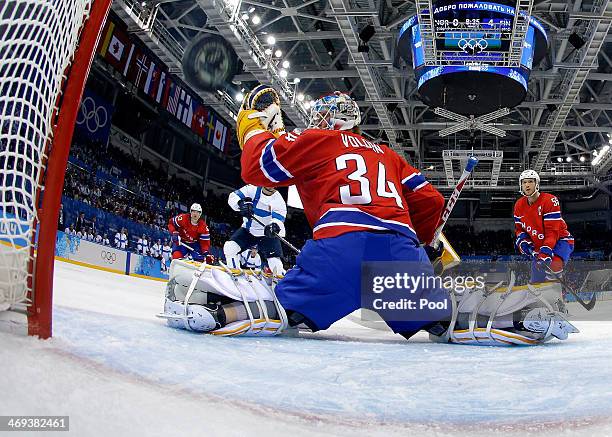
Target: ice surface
<point x="116" y="369"/>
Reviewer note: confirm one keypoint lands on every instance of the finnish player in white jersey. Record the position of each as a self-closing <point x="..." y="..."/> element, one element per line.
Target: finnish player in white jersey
<point x="263" y="211"/>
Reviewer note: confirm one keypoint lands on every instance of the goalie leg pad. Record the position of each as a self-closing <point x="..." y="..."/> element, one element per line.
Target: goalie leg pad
<point x="524" y="315"/>
<point x="276" y="265"/>
<point x="238" y="303"/>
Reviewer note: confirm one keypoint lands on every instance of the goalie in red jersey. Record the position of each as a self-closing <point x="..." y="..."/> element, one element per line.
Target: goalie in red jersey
<point x="541" y="232"/>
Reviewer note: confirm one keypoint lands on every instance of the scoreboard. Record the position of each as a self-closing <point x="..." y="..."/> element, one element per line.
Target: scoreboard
<point x="472" y="40"/>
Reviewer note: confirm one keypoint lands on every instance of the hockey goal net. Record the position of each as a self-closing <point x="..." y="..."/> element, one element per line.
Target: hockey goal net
<point x="46" y="49"/>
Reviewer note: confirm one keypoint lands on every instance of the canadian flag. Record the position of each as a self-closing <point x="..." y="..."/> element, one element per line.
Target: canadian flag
<point x="219" y="135"/>
<point x="115" y="48"/>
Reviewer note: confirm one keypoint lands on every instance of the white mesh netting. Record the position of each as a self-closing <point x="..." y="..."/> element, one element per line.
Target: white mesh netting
<point x="38" y="39"/>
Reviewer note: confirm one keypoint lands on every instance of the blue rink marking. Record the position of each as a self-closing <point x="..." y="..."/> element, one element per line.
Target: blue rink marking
<point x="418" y="382"/>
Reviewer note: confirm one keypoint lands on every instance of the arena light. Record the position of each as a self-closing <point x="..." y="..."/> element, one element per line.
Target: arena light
<point x="296" y="80"/>
<point x="251" y="10"/>
<point x="283" y="73"/>
<point x="271" y="40"/>
<point x="239" y="97"/>
<point x="601" y="155"/>
<point x="268" y="52"/>
<point x="286" y="64"/>
<point x="245" y="16"/>
<point x="568" y="159"/>
<point x="255" y="19"/>
<point x="559" y="159"/>
<point x="582" y="159"/>
<point x="300" y="97"/>
<point x="278" y="53"/>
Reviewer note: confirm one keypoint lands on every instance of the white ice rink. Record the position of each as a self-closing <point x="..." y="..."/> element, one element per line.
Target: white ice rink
<point x="117" y="370"/>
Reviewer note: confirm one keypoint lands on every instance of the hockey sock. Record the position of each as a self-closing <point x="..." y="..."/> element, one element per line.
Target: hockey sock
<point x="237" y="311"/>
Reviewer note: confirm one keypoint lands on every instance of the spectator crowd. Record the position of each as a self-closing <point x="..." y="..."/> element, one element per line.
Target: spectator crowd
<point x="110" y="180"/>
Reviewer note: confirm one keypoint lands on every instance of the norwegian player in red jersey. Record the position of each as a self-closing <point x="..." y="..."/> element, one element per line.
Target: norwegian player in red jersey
<point x="363" y="201"/>
<point x="541" y="233"/>
<point x="190" y="235"/>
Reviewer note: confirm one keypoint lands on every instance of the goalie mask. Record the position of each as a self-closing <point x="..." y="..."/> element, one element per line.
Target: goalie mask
<point x="529" y="174"/>
<point x="336" y="111"/>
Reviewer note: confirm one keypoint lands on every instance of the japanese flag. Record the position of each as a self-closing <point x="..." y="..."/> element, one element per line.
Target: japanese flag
<point x="219" y="136"/>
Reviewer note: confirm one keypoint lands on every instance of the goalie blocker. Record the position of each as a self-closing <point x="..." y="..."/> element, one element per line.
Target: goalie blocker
<point x="220" y="301"/>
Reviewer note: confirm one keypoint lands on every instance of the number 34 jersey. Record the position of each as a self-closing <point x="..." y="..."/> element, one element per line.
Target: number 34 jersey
<point x="345" y="182"/>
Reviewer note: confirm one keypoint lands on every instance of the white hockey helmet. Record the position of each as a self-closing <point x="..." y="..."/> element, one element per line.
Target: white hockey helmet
<point x="529" y="174"/>
<point x="196" y="207"/>
<point x="337" y="111"/>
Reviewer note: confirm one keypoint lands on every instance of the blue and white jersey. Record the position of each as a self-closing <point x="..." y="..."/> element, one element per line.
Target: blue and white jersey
<point x="156" y="250"/>
<point x="266" y="208"/>
<point x="121" y="241"/>
<point x="166" y="252"/>
<point x="248" y="262"/>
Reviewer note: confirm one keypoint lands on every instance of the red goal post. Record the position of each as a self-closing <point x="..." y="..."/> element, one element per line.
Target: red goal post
<point x="46" y="51"/>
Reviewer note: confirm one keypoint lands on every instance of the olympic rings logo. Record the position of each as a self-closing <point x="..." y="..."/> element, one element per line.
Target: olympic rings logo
<point x="109" y="257"/>
<point x="472" y="45"/>
<point x="91" y="116"/>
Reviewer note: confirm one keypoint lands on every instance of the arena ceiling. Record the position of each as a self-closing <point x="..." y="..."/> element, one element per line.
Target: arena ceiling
<point x="565" y="117"/>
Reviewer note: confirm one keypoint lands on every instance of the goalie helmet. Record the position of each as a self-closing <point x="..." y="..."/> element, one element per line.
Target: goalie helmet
<point x="529" y="174"/>
<point x="337" y="111"/>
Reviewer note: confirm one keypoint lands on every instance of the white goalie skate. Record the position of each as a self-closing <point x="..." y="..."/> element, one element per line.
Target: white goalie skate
<point x="522" y="315"/>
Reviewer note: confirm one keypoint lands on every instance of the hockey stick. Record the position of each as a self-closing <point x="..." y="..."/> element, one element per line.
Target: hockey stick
<point x="469" y="167"/>
<point x="289" y="245"/>
<point x="187" y="246"/>
<point x="587" y="305"/>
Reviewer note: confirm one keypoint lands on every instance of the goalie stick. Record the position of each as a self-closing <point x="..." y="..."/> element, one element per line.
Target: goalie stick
<point x="289" y="245"/>
<point x="469" y="167"/>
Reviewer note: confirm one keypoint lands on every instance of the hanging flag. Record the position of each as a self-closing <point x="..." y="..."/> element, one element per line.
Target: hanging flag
<point x="161" y="86"/>
<point x="198" y="122"/>
<point x="139" y="71"/>
<point x="114" y="47"/>
<point x="94" y="117"/>
<point x="210" y="126"/>
<point x="150" y="86"/>
<point x="219" y="136"/>
<point x="184" y="110"/>
<point x="128" y="61"/>
<point x="163" y="90"/>
<point x="174" y="92"/>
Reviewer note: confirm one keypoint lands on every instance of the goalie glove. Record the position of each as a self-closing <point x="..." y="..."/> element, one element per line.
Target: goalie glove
<point x="260" y="111"/>
<point x="442" y="257"/>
